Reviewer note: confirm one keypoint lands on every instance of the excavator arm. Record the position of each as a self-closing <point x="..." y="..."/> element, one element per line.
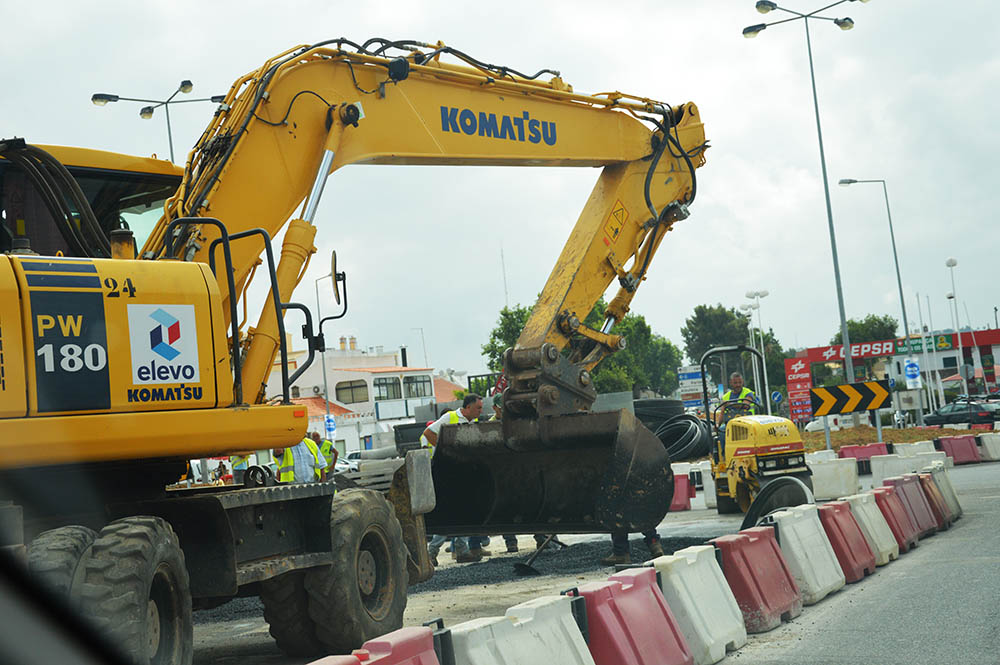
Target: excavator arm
<point x="284" y="128"/>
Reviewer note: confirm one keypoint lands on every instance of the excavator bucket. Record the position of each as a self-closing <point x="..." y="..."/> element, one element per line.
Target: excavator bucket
<point x="577" y="473"/>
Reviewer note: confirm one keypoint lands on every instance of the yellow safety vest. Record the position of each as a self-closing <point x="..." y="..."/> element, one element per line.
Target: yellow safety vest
<point x="327" y="451"/>
<point x="452" y="420"/>
<point x="286" y="469"/>
<point x="745" y="393"/>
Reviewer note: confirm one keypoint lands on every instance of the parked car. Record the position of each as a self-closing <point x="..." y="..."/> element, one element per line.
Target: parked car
<point x="837" y="423"/>
<point x="963" y="412"/>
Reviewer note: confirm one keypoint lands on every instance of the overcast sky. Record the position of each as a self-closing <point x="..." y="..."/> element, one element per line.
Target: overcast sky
<point x="910" y="96"/>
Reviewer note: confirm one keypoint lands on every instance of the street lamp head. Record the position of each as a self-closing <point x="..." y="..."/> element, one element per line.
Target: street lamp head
<point x="146" y="112"/>
<point x="218" y="99"/>
<point x="186" y="86"/>
<point x="753" y="30"/>
<point x="845" y="23"/>
<point x="763" y="293"/>
<point x="949" y="295"/>
<point x="102" y="98"/>
<point x="765" y="6"/>
<point x="751" y="294"/>
<point x="844" y="182"/>
<point x="951" y="262"/>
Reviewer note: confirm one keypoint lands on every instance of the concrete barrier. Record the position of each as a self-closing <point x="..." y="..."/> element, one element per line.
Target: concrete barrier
<point x="908" y="487"/>
<point x="902" y="527"/>
<point x="833" y="478"/>
<point x="937" y="456"/>
<point x="855" y="557"/>
<point x="939" y="508"/>
<point x="887" y="466"/>
<point x="912" y="449"/>
<point x="708" y="483"/>
<point x="539" y="632"/>
<point x="702" y="602"/>
<point x="760" y="579"/>
<point x="406" y="646"/>
<point x="808" y="552"/>
<point x="989" y="447"/>
<point x="874" y="527"/>
<point x="630" y="623"/>
<point x="821" y="456"/>
<point x="940" y="475"/>
<point x="962" y="449"/>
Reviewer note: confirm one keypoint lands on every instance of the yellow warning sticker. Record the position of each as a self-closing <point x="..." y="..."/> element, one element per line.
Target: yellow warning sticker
<point x="616" y="222"/>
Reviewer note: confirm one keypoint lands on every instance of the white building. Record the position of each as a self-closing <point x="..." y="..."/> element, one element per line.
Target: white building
<point x="370" y="392"/>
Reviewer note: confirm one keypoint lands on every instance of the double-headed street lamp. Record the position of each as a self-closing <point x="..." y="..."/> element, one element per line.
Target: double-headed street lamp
<point x="765" y="6"/>
<point x="756" y="296"/>
<point x="953" y="298"/>
<point x="146" y="112"/>
<point x="847" y="182"/>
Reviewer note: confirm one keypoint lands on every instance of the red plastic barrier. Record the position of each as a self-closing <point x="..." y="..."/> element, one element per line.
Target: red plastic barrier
<point x="912" y="496"/>
<point x="630" y="623"/>
<point x="983" y="426"/>
<point x="902" y="527"/>
<point x="692" y="490"/>
<point x="406" y="646"/>
<point x="962" y="449"/>
<point x="849" y="544"/>
<point x="939" y="507"/>
<point x="759" y="578"/>
<point x="682" y="493"/>
<point x="863" y="452"/>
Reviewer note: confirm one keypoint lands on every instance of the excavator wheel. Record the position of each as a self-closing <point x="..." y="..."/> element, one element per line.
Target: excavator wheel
<point x="363" y="593"/>
<point x="286" y="610"/>
<point x="54" y="557"/>
<point x="135" y="588"/>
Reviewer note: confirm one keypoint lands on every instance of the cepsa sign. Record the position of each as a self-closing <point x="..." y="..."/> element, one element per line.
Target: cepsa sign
<point x="835" y="352"/>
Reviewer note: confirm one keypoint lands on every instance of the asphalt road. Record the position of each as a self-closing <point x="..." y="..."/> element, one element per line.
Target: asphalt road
<point x="940" y="603"/>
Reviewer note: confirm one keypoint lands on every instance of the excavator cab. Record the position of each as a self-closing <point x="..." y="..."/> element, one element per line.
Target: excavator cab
<point x="752" y="451"/>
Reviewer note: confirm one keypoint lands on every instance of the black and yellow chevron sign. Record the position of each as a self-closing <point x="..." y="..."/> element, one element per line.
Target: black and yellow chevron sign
<point x="850" y="397"/>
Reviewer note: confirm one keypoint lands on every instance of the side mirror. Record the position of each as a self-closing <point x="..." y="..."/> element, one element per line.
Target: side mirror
<point x="333" y="271"/>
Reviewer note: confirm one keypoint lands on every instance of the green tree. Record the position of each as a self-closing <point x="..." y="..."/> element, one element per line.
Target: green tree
<point x="648" y="360"/>
<point x="713" y="326"/>
<point x="509" y="325"/>
<point x="872" y="328"/>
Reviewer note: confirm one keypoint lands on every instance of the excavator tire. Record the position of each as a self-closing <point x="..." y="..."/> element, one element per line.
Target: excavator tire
<point x="135" y="588"/>
<point x="286" y="610"/>
<point x="363" y="593"/>
<point x="54" y="557"/>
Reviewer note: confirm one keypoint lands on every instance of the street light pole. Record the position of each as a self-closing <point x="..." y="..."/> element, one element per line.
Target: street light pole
<point x="756" y="296"/>
<point x="146" y="112"/>
<point x="951" y="262"/>
<point x="765" y="6"/>
<point x="846" y="182"/>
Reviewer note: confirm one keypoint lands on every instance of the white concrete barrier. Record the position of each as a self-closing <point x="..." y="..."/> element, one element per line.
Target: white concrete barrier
<point x="937" y="456"/>
<point x="821" y="456"/>
<point x="808" y="552"/>
<point x="702" y="602"/>
<point x="833" y="478"/>
<point x="539" y="632"/>
<point x="955" y="426"/>
<point x="708" y="483"/>
<point x="911" y="449"/>
<point x="874" y="527"/>
<point x="943" y="481"/>
<point x="887" y="466"/>
<point x="989" y="448"/>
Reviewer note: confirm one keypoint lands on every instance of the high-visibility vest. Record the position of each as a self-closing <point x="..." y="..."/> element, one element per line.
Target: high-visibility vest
<point x="286" y="469"/>
<point x="239" y="462"/>
<point x="328" y="452"/>
<point x="452" y="420"/>
<point x="745" y="393"/>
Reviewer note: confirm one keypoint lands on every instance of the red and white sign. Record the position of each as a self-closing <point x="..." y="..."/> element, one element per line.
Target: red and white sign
<point x="798" y="378"/>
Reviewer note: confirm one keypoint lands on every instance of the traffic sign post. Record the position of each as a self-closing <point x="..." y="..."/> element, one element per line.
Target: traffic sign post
<point x="911" y="369"/>
<point x="690" y="386"/>
<point x="776" y="397"/>
<point x="331" y="427"/>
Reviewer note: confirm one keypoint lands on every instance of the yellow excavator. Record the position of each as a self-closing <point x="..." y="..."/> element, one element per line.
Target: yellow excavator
<point x="119" y="363"/>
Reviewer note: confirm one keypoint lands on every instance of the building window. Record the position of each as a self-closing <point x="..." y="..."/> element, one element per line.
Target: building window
<point x="418" y="386"/>
<point x="295" y="391"/>
<point x="352" y="392"/>
<point x="949" y="361"/>
<point x="387" y="387"/>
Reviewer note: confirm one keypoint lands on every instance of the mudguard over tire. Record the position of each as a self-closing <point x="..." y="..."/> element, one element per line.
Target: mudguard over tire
<point x="135" y="588"/>
<point x="54" y="557"/>
<point x="363" y="593"/>
<point x="286" y="610"/>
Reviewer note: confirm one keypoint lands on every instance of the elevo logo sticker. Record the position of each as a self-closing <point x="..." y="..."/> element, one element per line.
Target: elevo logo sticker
<point x="164" y="344"/>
